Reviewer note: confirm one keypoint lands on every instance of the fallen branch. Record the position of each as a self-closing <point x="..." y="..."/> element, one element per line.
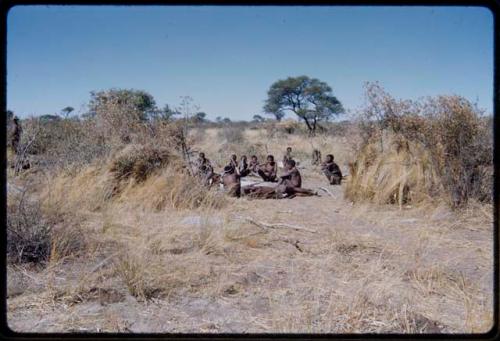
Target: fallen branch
<point x="278" y="225"/>
<point x="327" y="191"/>
<point x="102" y="263"/>
<point x="25" y="273"/>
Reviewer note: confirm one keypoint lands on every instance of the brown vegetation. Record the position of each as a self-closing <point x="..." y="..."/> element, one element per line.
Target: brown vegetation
<point x="413" y="150"/>
<point x="130" y="240"/>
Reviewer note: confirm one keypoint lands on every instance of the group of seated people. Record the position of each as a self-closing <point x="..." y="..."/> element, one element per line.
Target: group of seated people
<point x="289" y="183"/>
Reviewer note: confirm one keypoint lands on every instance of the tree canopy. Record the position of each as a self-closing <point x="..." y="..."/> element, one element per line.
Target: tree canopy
<point x="200" y="117"/>
<point x="66" y="111"/>
<point x="168" y="113"/>
<point x="127" y="100"/>
<point x="10" y="115"/>
<point x="309" y="98"/>
<point x="257" y="118"/>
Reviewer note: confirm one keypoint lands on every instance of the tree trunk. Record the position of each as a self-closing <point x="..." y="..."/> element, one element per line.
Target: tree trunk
<point x="311" y="130"/>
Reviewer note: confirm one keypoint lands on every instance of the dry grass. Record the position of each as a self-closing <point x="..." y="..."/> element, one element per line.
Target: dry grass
<point x="452" y="135"/>
<point x="28" y="233"/>
<point x="257" y="142"/>
<point x="402" y="172"/>
<point x="139" y="162"/>
<point x="164" y="254"/>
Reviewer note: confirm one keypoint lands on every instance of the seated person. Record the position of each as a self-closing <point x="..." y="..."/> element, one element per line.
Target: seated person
<point x="233" y="161"/>
<point x="269" y="170"/>
<point x="243" y="166"/>
<point x="231" y="181"/>
<point x="204" y="168"/>
<point x="287" y="156"/>
<point x="253" y="166"/>
<point x="331" y="170"/>
<point x="202" y="161"/>
<point x="290" y="183"/>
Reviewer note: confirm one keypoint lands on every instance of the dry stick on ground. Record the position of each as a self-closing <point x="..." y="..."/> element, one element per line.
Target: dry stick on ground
<point x="102" y="263"/>
<point x="277" y="225"/>
<point x="327" y="191"/>
<point x="25" y="273"/>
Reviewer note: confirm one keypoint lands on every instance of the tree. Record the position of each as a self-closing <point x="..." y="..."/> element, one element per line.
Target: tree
<point x="66" y="111"/>
<point x="199" y="117"/>
<point x="49" y="118"/>
<point x="168" y="113"/>
<point x="226" y="120"/>
<point x="10" y="115"/>
<point x="121" y="113"/>
<point x="218" y="119"/>
<point x="137" y="102"/>
<point x="258" y="118"/>
<point x="309" y="98"/>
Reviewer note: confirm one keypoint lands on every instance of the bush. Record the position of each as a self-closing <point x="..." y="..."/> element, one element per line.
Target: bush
<point x="139" y="275"/>
<point x="338" y="128"/>
<point x="288" y="126"/>
<point x="36" y="236"/>
<point x="67" y="239"/>
<point x="464" y="144"/>
<point x="231" y="134"/>
<point x="458" y="140"/>
<point x="138" y="162"/>
<point x="28" y="234"/>
<point x="121" y="114"/>
<point x="57" y="144"/>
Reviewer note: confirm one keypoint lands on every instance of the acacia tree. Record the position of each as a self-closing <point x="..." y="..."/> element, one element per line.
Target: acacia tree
<point x="258" y="119"/>
<point x="200" y="117"/>
<point x="66" y="111"/>
<point x="167" y="113"/>
<point x="309" y="98"/>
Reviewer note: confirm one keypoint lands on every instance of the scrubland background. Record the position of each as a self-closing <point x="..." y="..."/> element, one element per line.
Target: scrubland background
<point x="108" y="232"/>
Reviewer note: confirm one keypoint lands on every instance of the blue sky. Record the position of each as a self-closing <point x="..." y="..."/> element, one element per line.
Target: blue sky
<point x="226" y="58"/>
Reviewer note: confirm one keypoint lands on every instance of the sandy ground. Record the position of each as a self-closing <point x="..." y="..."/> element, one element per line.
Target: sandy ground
<point x="358" y="268"/>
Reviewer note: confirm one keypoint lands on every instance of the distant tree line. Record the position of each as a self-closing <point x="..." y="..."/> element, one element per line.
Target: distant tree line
<point x="310" y="99"/>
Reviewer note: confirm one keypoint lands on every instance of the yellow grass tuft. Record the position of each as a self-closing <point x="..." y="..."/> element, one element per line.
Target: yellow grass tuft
<point x="394" y="170"/>
<point x="140" y="176"/>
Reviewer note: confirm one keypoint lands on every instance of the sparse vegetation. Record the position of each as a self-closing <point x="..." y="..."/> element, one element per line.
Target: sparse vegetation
<point x="420" y="147"/>
<point x="230" y="134"/>
<point x="133" y="240"/>
<point x="28" y="235"/>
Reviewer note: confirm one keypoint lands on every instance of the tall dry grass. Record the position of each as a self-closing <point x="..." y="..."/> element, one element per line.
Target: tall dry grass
<point x="258" y="142"/>
<point x="141" y="176"/>
<point x="401" y="173"/>
<point x="438" y="146"/>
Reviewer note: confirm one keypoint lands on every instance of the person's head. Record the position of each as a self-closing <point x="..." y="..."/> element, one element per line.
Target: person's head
<point x="290" y="164"/>
<point x="254" y="158"/>
<point x="234" y="157"/>
<point x="289" y="149"/>
<point x="270" y="158"/>
<point x="329" y="158"/>
<point x="243" y="157"/>
<point x="201" y="155"/>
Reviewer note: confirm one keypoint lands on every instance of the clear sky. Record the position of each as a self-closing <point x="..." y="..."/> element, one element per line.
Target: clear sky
<point x="226" y="58"/>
